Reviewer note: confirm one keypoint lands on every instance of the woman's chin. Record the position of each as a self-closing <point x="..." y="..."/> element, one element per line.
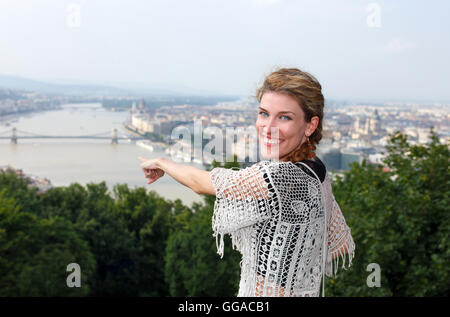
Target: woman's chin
<point x="270" y="153"/>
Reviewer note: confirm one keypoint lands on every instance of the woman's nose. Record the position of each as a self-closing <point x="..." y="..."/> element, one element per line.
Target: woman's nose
<point x="271" y="128"/>
<point x="267" y="122"/>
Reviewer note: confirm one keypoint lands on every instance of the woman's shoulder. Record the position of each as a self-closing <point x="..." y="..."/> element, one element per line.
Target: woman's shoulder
<point x="314" y="164"/>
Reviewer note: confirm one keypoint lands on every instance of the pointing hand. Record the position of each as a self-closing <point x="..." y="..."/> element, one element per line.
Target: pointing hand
<point x="151" y="170"/>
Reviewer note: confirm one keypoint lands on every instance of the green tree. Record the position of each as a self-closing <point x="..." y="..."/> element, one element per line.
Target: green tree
<point x="91" y="210"/>
<point x="193" y="267"/>
<point x="20" y="189"/>
<point x="148" y="218"/>
<point x="399" y="220"/>
<point x="34" y="254"/>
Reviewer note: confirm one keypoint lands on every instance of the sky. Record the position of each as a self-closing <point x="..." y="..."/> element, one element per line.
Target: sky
<point x="382" y="50"/>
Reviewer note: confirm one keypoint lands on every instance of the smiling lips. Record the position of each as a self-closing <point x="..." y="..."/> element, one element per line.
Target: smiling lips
<point x="268" y="141"/>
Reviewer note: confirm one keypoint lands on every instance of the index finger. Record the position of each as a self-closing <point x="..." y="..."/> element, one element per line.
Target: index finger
<point x="143" y="159"/>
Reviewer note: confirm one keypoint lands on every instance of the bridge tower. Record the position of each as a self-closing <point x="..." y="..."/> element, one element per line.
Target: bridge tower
<point x="114" y="139"/>
<point x="14" y="136"/>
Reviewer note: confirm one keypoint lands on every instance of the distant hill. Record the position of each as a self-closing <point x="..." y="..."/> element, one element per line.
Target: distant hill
<point x="155" y="96"/>
<point x="70" y="87"/>
<point x="20" y="83"/>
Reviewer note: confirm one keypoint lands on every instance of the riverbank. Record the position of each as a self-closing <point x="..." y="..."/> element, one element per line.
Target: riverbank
<point x="41" y="183"/>
<point x="8" y="119"/>
<point x="84" y="161"/>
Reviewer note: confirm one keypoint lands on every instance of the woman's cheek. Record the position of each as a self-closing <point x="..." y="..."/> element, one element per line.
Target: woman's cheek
<point x="259" y="123"/>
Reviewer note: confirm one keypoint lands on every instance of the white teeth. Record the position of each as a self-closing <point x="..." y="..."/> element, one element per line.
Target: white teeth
<point x="271" y="141"/>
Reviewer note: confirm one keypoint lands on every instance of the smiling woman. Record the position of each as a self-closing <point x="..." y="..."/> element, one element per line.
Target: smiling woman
<point x="280" y="212"/>
<point x="291" y="101"/>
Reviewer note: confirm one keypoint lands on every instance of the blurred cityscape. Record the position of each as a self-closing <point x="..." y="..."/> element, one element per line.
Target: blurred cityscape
<point x="352" y="131"/>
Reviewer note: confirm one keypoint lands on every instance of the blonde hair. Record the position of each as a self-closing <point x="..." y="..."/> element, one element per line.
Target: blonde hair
<point x="307" y="91"/>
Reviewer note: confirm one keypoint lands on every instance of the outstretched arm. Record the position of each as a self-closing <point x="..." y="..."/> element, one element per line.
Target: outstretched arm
<point x="196" y="179"/>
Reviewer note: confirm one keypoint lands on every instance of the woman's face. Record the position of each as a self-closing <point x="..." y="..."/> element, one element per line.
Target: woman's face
<point x="282" y="113"/>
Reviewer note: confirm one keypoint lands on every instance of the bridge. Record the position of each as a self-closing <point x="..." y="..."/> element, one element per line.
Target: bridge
<point x="14" y="135"/>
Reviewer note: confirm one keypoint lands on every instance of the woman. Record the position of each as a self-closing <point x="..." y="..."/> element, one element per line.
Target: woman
<point x="280" y="212"/>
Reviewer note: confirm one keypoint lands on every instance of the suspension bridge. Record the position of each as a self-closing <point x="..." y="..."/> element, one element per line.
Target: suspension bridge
<point x="14" y="135"/>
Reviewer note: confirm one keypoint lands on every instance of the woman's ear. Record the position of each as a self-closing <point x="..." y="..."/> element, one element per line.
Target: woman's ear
<point x="312" y="125"/>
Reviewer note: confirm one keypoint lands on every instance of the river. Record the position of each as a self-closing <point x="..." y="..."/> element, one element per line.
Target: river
<point x="66" y="161"/>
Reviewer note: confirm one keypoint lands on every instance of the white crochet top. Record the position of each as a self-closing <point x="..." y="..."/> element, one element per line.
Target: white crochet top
<point x="276" y="213"/>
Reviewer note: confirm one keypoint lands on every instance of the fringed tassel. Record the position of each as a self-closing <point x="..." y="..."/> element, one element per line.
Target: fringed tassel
<point x="219" y="244"/>
<point x="332" y="265"/>
<point x="217" y="233"/>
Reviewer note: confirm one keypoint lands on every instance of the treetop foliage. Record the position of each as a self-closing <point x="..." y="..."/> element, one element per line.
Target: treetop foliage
<point x="132" y="242"/>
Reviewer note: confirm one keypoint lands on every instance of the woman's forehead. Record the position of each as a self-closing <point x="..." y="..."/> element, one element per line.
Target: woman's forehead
<point x="277" y="102"/>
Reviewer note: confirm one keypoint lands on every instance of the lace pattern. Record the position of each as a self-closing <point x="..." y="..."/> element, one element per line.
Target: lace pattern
<point x="276" y="215"/>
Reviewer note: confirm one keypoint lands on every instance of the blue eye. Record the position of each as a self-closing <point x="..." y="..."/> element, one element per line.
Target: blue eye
<point x="287" y="118"/>
<point x="263" y="113"/>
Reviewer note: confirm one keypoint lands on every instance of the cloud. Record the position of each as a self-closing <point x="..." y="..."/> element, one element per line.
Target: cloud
<point x="399" y="46"/>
